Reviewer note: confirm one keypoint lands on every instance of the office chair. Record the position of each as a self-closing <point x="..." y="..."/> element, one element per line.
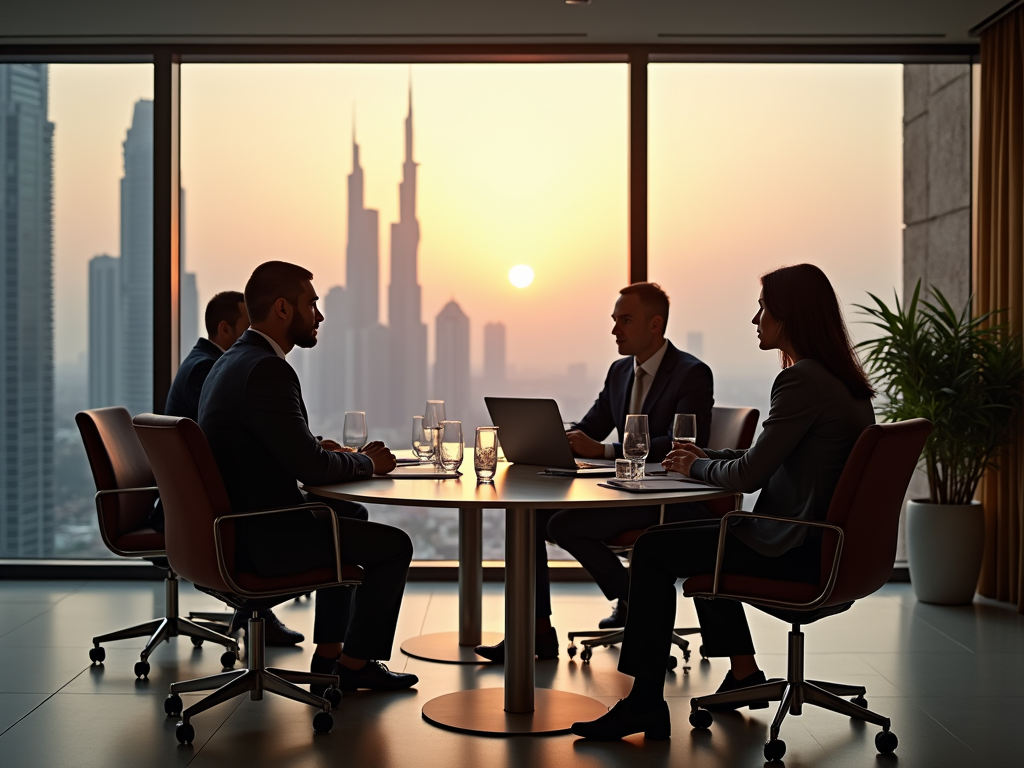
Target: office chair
<point x="125" y="492"/>
<point x="858" y="550"/>
<point x="200" y="531"/>
<point x="730" y="428"/>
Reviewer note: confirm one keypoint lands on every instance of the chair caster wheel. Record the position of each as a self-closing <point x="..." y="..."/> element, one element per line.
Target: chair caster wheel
<point x="333" y="695"/>
<point x="860" y="701"/>
<point x="228" y="659"/>
<point x="173" y="705"/>
<point x="701" y="718"/>
<point x="774" y="750"/>
<point x="197" y="642"/>
<point x="886" y="742"/>
<point x="671" y="662"/>
<point x="571" y="650"/>
<point x="184" y="733"/>
<point x="686" y="655"/>
<point x="323" y="722"/>
<point x="142" y="670"/>
<point x="97" y="655"/>
<point x="586" y="655"/>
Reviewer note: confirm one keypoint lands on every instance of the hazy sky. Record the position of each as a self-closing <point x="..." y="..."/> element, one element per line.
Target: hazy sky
<point x="751" y="166"/>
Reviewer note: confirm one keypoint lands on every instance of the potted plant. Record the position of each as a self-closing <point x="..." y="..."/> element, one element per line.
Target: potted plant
<point x="965" y="375"/>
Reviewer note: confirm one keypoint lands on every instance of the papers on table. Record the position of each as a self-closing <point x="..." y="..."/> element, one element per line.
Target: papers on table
<point x="420" y="471"/>
<point x="659" y="485"/>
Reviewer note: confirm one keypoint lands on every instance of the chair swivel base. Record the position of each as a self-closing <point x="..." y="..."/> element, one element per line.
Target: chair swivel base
<point x="599" y="638"/>
<point x="158" y="630"/>
<point x="793" y="693"/>
<point x="254" y="680"/>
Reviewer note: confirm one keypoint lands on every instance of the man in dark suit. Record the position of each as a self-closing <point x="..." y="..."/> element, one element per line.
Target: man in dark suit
<point x="656" y="379"/>
<point x="252" y="413"/>
<point x="226" y="319"/>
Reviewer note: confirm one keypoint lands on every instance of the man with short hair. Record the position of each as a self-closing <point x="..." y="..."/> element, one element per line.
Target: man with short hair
<point x="226" y="319"/>
<point x="654" y="378"/>
<point x="253" y="416"/>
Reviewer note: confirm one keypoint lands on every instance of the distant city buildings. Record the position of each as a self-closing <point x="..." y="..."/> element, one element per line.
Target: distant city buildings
<point x="26" y="322"/>
<point x="190" y="327"/>
<point x="105" y="324"/>
<point x="451" y="361"/>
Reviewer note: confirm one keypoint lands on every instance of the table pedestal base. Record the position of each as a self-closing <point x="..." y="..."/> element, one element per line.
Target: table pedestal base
<point x="482" y="711"/>
<point x="444" y="647"/>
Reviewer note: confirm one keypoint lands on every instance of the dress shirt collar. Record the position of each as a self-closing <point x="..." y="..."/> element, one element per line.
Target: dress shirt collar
<point x="653" y="362"/>
<point x="274" y="344"/>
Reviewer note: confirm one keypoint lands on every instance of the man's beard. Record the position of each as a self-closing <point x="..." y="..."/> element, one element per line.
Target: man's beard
<point x="300" y="334"/>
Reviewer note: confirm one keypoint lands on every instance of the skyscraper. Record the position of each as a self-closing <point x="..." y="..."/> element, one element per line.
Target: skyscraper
<point x="407" y="332"/>
<point x="362" y="255"/>
<point x="137" y="261"/>
<point x="26" y="319"/>
<point x="188" y="300"/>
<point x="451" y="363"/>
<point x="104" y="331"/>
<point x="495" y="354"/>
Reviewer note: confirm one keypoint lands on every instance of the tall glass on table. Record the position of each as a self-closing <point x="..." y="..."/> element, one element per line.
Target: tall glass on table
<point x="485" y="454"/>
<point x="422" y="440"/>
<point x="354" y="434"/>
<point x="684" y="428"/>
<point x="636" y="443"/>
<point x="433" y="415"/>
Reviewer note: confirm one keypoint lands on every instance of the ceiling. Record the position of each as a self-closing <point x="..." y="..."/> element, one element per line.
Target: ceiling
<point x="637" y="22"/>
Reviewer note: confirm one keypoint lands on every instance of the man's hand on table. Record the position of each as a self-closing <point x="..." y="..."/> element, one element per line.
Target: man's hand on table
<point x="331" y="445"/>
<point x="383" y="459"/>
<point x="681" y="458"/>
<point x="584" y="446"/>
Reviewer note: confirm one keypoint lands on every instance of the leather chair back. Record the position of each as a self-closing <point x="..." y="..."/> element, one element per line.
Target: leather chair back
<point x="732" y="427"/>
<point x="118" y="461"/>
<point x="193" y="496"/>
<point x="866" y="505"/>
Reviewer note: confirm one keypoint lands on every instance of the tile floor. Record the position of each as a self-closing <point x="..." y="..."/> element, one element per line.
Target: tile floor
<point x="951" y="680"/>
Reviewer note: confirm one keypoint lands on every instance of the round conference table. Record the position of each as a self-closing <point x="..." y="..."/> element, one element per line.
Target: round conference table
<point x="519" y="707"/>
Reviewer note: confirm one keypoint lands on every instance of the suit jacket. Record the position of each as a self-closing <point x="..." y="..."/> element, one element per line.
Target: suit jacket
<point x="183" y="398"/>
<point x="252" y="414"/>
<point x="796" y="462"/>
<point x="683" y="384"/>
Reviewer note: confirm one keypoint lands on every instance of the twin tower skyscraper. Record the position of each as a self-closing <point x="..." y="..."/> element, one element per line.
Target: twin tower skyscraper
<point x="365" y="365"/>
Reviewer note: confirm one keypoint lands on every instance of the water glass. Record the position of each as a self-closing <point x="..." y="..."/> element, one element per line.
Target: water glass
<point x="684" y="428"/>
<point x="451" y="445"/>
<point x="485" y="456"/>
<point x="636" y="442"/>
<point x="354" y="434"/>
<point x="422" y="439"/>
<point x="433" y="415"/>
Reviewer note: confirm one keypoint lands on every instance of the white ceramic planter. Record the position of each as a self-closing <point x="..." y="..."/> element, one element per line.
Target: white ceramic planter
<point x="945" y="543"/>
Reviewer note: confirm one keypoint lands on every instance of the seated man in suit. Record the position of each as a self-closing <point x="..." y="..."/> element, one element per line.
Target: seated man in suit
<point x="657" y="379"/>
<point x="226" y="319"/>
<point x="252" y="413"/>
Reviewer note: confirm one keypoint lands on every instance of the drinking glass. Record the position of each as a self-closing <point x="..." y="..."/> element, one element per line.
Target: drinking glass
<point x="636" y="442"/>
<point x="485" y="456"/>
<point x="422" y="439"/>
<point x="451" y="445"/>
<point x="354" y="435"/>
<point x="684" y="428"/>
<point x="433" y="415"/>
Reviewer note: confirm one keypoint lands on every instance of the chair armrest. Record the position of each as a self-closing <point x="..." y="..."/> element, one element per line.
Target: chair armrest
<point x="724" y="530"/>
<point x="104" y="535"/>
<point x="233" y="516"/>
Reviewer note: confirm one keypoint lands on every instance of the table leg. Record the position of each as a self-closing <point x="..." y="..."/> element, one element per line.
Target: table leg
<point x="471" y="576"/>
<point x="457" y="647"/>
<point x="520" y="609"/>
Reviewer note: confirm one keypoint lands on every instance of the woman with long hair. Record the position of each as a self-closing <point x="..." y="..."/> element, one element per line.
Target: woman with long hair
<point x="821" y="402"/>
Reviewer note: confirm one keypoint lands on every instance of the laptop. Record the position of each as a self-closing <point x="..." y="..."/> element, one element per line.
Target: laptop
<point x="531" y="432"/>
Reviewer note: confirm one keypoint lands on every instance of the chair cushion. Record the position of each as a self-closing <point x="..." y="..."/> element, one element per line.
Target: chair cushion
<point x="140" y="540"/>
<point x="752" y="586"/>
<point x="300" y="582"/>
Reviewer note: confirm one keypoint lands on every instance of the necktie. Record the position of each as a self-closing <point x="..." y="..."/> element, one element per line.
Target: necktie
<point x="636" y="399"/>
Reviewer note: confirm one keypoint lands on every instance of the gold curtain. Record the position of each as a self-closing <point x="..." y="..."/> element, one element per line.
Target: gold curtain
<point x="999" y="281"/>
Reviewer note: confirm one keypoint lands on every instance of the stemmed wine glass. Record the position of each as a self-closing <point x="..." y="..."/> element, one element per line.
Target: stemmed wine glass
<point x="636" y="443"/>
<point x="354" y="434"/>
<point x="684" y="428"/>
<point x="433" y="415"/>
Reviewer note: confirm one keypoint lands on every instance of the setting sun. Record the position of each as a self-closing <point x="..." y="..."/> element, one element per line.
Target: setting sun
<point x="520" y="275"/>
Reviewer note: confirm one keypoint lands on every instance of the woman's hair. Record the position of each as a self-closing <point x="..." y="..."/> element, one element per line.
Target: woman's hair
<point x="802" y="299"/>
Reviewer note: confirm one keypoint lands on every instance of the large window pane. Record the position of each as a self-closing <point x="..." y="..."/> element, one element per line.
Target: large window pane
<point x="410" y="193"/>
<point x="76" y="245"/>
<point x="758" y="166"/>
